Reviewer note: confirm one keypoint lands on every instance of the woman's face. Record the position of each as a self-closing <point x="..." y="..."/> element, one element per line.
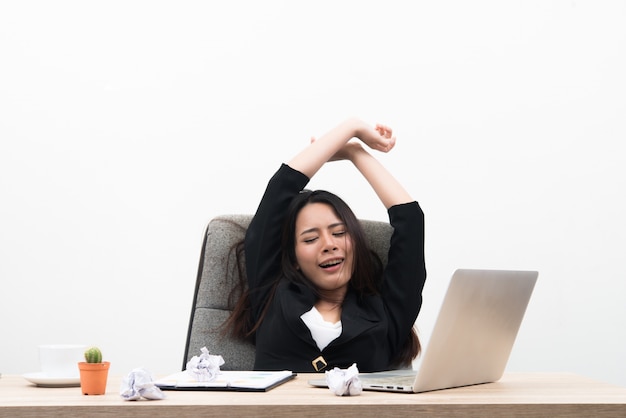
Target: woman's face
<point x="323" y="248"/>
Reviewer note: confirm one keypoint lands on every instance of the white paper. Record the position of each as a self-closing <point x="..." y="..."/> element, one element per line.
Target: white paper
<point x="205" y="367"/>
<point x="344" y="382"/>
<point x="139" y="384"/>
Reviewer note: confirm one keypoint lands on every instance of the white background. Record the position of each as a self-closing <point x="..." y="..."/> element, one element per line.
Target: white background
<point x="126" y="125"/>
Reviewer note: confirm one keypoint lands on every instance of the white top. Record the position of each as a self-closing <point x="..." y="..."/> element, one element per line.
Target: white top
<point x="323" y="332"/>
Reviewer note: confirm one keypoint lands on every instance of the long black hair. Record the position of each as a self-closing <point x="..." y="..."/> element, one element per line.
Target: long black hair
<point x="367" y="268"/>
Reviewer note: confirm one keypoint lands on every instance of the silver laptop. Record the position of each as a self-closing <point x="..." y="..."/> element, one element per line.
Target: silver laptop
<point x="472" y="337"/>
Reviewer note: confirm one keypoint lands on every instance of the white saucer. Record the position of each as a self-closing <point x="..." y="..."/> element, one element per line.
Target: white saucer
<point x="43" y="380"/>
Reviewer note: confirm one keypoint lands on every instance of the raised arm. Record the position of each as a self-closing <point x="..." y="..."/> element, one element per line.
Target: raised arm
<point x="336" y="145"/>
<point x="387" y="188"/>
<point x="328" y="146"/>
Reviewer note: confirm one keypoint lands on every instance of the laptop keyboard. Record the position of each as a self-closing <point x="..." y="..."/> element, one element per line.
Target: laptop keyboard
<point x="397" y="380"/>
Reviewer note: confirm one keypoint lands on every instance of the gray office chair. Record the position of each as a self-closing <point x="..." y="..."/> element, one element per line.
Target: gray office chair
<point x="217" y="274"/>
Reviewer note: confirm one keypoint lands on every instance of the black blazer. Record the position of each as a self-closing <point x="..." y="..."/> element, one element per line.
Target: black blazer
<point x="374" y="328"/>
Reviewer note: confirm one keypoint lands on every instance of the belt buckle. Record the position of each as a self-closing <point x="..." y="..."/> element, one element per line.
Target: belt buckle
<point x="319" y="364"/>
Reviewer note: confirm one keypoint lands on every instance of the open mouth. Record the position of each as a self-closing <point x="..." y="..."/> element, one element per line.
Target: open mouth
<point x="331" y="263"/>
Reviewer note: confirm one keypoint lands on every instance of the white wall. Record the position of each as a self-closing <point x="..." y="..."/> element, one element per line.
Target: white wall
<point x="126" y="125"/>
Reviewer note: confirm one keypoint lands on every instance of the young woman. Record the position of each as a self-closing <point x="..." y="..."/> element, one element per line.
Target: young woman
<point x="317" y="298"/>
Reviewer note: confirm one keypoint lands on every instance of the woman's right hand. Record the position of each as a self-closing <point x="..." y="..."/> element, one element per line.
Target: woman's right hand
<point x="336" y="144"/>
<point x="379" y="138"/>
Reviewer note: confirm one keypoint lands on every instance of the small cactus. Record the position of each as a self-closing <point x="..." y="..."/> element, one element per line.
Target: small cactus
<point x="93" y="355"/>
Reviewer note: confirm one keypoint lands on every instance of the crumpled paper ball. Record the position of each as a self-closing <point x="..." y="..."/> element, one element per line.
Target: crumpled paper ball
<point x="344" y="382"/>
<point x="204" y="367"/>
<point x="139" y="384"/>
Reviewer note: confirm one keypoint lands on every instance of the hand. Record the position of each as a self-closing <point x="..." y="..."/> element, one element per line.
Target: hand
<point x="336" y="144"/>
<point x="379" y="138"/>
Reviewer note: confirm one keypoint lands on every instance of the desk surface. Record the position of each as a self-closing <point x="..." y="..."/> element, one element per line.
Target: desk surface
<point x="516" y="394"/>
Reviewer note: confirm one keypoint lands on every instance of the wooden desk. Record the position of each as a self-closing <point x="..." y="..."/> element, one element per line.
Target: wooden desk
<point x="533" y="394"/>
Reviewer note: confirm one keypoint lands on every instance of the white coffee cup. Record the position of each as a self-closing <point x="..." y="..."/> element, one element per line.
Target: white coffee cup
<point x="61" y="360"/>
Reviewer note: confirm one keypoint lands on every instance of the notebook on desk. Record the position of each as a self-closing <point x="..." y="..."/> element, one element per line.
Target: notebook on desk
<point x="234" y="380"/>
<point x="473" y="335"/>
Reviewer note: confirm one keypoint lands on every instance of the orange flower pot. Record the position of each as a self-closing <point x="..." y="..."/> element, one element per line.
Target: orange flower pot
<point x="93" y="377"/>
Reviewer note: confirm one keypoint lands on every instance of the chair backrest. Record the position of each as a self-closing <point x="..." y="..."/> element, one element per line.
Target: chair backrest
<point x="218" y="274"/>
